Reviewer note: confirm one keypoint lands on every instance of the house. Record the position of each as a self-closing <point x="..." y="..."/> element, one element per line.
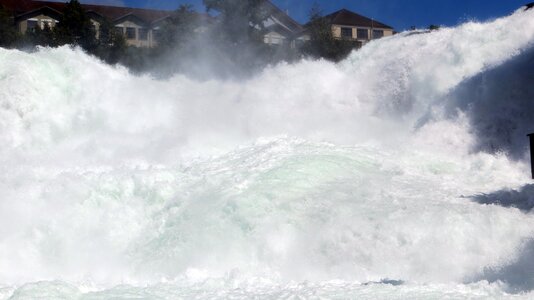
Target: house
<point x="280" y="28"/>
<point x="139" y="26"/>
<point x="351" y="26"/>
<point x="28" y="15"/>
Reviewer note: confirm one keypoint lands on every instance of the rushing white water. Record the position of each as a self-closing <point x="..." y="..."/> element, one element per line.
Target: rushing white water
<point x="365" y="179"/>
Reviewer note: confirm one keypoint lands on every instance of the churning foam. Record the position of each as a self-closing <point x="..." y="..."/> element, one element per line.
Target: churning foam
<point x="343" y="175"/>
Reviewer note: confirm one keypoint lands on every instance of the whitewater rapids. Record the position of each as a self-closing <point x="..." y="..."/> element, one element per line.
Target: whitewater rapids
<point x="398" y="173"/>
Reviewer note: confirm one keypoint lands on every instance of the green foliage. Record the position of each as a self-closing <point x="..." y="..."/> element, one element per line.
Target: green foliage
<point x="178" y="29"/>
<point x="434" y="27"/>
<point x="137" y="59"/>
<point x="75" y="27"/>
<point x="237" y="34"/>
<point x="111" y="46"/>
<point x="8" y="31"/>
<point x="322" y="43"/>
<point x="230" y="44"/>
<point x="240" y="21"/>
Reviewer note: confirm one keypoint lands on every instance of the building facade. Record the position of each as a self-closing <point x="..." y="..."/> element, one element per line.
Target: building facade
<point x="138" y="26"/>
<point x="280" y="28"/>
<point x="349" y="25"/>
<point x="352" y="26"/>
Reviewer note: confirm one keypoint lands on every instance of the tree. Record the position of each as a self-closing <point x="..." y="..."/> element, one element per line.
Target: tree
<point x="237" y="35"/>
<point x="111" y="45"/>
<point x="178" y="28"/>
<point x="8" y="32"/>
<point x="240" y="20"/>
<point x="322" y="42"/>
<point x="75" y="27"/>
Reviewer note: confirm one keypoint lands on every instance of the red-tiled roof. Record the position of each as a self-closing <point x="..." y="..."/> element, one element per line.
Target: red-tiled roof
<point x="349" y="18"/>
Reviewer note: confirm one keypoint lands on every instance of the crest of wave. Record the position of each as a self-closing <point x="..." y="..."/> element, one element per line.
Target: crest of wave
<point x="306" y="171"/>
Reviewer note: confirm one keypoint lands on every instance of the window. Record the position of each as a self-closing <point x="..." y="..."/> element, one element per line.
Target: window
<point x="143" y="34"/>
<point x="118" y="31"/>
<point x="156" y="33"/>
<point x="363" y="34"/>
<point x="346" y="32"/>
<point x="44" y="23"/>
<point x="130" y="33"/>
<point x="378" y="34"/>
<point x="32" y="24"/>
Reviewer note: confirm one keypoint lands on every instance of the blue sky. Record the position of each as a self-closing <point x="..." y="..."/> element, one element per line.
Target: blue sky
<point x="400" y="14"/>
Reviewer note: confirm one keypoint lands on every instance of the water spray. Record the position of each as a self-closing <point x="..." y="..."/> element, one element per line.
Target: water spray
<point x="531" y="136"/>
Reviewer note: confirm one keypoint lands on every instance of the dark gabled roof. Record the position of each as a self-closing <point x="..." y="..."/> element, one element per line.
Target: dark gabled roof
<point x="280" y="30"/>
<point x="95" y="16"/>
<point x="16" y="6"/>
<point x="131" y="17"/>
<point x="111" y="12"/>
<point x="349" y="18"/>
<point x="116" y="12"/>
<point x="283" y="17"/>
<point x="46" y="10"/>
